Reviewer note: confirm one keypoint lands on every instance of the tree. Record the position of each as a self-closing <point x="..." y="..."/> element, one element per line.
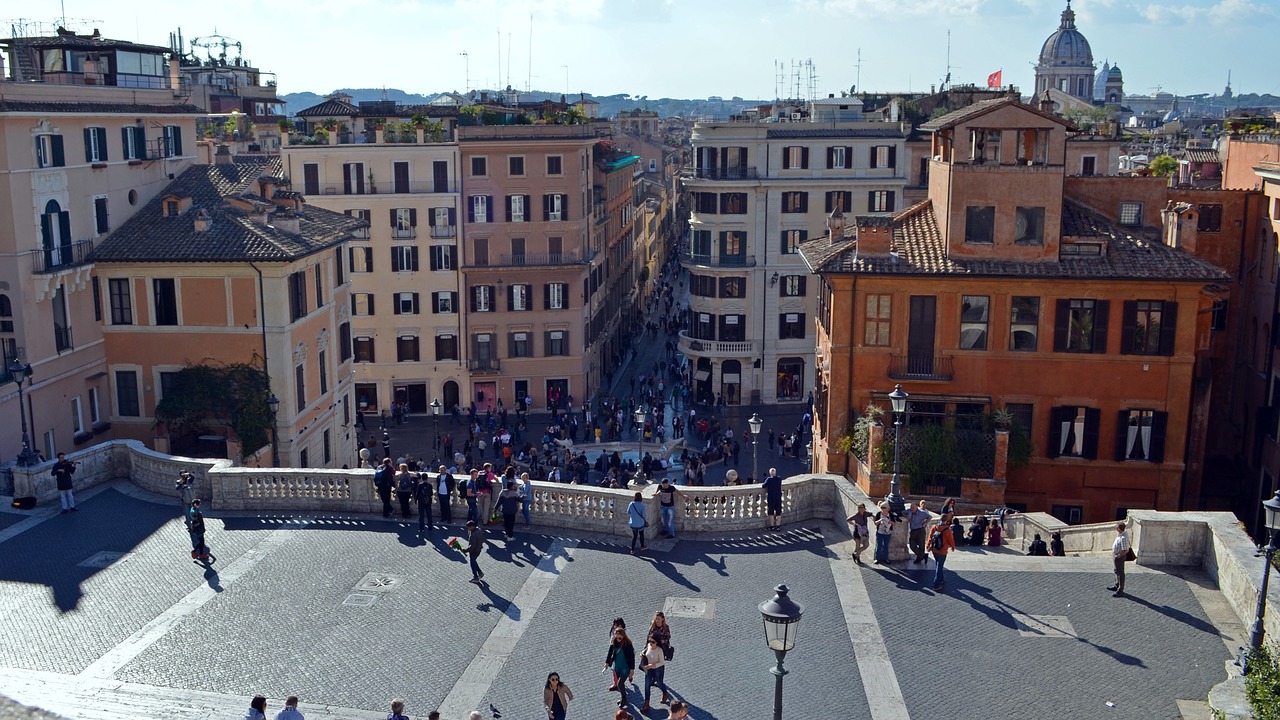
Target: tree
<point x="204" y="398"/>
<point x="1163" y="166"/>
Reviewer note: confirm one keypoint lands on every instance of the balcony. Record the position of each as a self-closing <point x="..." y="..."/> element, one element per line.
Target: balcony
<point x="64" y="257"/>
<point x="484" y="365"/>
<point x="716" y="348"/>
<point x="728" y="261"/>
<point x="404" y="233"/>
<point x="733" y="173"/>
<point x="391" y="188"/>
<point x="921" y="367"/>
<point x="539" y="260"/>
<point x="442" y="232"/>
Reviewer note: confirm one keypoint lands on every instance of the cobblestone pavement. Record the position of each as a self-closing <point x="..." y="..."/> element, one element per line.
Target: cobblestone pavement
<point x="349" y="612"/>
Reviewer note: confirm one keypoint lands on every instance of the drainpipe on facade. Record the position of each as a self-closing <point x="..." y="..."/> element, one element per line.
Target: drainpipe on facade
<point x="266" y="371"/>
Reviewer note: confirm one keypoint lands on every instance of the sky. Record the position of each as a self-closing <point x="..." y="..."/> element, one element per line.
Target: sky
<point x="755" y="49"/>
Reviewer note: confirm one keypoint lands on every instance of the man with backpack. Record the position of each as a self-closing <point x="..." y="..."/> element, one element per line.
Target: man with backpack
<point x="423" y="493"/>
<point x="383" y="478"/>
<point x="941" y="542"/>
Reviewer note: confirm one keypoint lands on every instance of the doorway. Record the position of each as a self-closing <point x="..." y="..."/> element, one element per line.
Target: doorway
<point x="702" y="382"/>
<point x="731" y="382"/>
<point x="450" y="395"/>
<point x="414" y="395"/>
<point x="557" y="393"/>
<point x="920" y="335"/>
<point x="486" y="396"/>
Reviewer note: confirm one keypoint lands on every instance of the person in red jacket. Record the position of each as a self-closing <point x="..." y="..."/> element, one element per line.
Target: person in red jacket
<point x="941" y="542"/>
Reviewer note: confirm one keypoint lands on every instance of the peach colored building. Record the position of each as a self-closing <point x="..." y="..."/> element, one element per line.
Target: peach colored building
<point x="1002" y="291"/>
<point x="90" y="131"/>
<point x="227" y="265"/>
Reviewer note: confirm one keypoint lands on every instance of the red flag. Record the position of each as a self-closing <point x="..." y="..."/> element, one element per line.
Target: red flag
<point x="994" y="79"/>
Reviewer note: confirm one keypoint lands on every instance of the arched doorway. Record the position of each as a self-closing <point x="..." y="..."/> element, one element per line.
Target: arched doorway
<point x="450" y="395"/>
<point x="731" y="382"/>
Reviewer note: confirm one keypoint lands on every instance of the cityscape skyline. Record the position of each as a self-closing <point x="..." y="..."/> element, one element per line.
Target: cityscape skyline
<point x="473" y="51"/>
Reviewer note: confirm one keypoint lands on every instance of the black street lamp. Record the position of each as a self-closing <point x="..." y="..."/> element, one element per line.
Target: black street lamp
<point x="898" y="399"/>
<point x="781" y="621"/>
<point x="754" y="423"/>
<point x="21" y="373"/>
<point x="436" y="407"/>
<point x="640" y="418"/>
<point x="1272" y="509"/>
<point x="273" y="404"/>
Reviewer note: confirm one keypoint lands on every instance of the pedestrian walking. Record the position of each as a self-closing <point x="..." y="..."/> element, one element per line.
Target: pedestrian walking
<point x="199" y="550"/>
<point x="526" y="496"/>
<point x="556" y="696"/>
<point x="917" y="522"/>
<point x="290" y="710"/>
<point x="406" y="483"/>
<point x="423" y="493"/>
<point x="621" y="659"/>
<point x="772" y="486"/>
<point x="62" y="472"/>
<point x="475" y="545"/>
<point x="679" y="710"/>
<point x="654" y="664"/>
<point x="445" y="485"/>
<point x="667" y="494"/>
<point x="257" y="709"/>
<point x="509" y="504"/>
<point x="661" y="631"/>
<point x="637" y="520"/>
<point x="861" y="533"/>
<point x="884" y="531"/>
<point x="186" y="489"/>
<point x="383" y="479"/>
<point x="1121" y="553"/>
<point x="397" y="710"/>
<point x="941" y="542"/>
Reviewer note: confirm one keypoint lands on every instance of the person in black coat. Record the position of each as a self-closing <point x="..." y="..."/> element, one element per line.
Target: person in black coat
<point x="62" y="471"/>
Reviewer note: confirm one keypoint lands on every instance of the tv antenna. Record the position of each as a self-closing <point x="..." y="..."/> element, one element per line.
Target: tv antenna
<point x="466" y="63"/>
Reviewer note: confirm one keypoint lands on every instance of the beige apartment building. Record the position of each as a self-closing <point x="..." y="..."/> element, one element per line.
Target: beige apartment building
<point x="91" y="131"/>
<point x="405" y="303"/>
<point x="532" y="272"/>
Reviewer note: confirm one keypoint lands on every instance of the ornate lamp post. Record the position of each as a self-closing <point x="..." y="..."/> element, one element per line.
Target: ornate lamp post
<point x="781" y="621"/>
<point x="21" y="373"/>
<point x="754" y="423"/>
<point x="640" y="418"/>
<point x="1272" y="509"/>
<point x="898" y="399"/>
<point x="273" y="404"/>
<point x="436" y="407"/>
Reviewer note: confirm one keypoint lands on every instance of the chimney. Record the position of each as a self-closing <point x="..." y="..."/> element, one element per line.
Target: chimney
<point x="175" y="74"/>
<point x="202" y="220"/>
<point x="875" y="235"/>
<point x="1046" y="103"/>
<point x="287" y="222"/>
<point x="1180" y="228"/>
<point x="222" y="156"/>
<point x="835" y="225"/>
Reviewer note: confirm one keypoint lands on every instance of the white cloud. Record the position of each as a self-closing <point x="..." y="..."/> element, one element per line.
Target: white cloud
<point x="894" y="8"/>
<point x="1225" y="12"/>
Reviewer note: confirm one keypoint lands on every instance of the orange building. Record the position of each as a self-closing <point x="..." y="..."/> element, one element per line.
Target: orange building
<point x="1003" y="292"/>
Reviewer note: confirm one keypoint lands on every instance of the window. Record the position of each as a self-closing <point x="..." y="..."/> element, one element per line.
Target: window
<point x="974" y="315"/>
<point x="555" y="165"/>
<point x="1149" y="327"/>
<point x="352" y="178"/>
<point x="515" y="166"/>
<point x="795" y="158"/>
<point x="446" y="347"/>
<point x="121" y="301"/>
<point x="127" y="393"/>
<point x="300" y="386"/>
<point x="338" y="262"/>
<point x="1020" y="415"/>
<point x="733" y="203"/>
<point x="1081" y="326"/>
<point x="795" y="202"/>
<point x="1073" y="432"/>
<point x="884" y="156"/>
<point x="96" y="289"/>
<point x="792" y="286"/>
<point x="880" y="201"/>
<point x="791" y="240"/>
<point x="172" y="140"/>
<point x="733" y="287"/>
<point x="519" y="346"/>
<point x="702" y="285"/>
<point x="363" y="347"/>
<point x="518" y="299"/>
<point x="361" y="233"/>
<point x="404" y="223"/>
<point x="733" y="328"/>
<point x="879" y="311"/>
<point x="361" y="259"/>
<point x="482" y="298"/>
<point x="406" y="303"/>
<point x="442" y="257"/>
<point x="318" y="271"/>
<point x="327" y="444"/>
<point x="400" y="177"/>
<point x="297" y="296"/>
<point x="95" y="411"/>
<point x="1140" y="435"/>
<point x="791" y="326"/>
<point x="1218" y="320"/>
<point x="404" y="258"/>
<point x="323" y="367"/>
<point x="49" y="151"/>
<point x="479" y="167"/>
<point x="516" y="205"/>
<point x="95" y="145"/>
<point x="984" y="146"/>
<point x="344" y="342"/>
<point x="1131" y="213"/>
<point x="1089" y="165"/>
<point x="702" y="243"/>
<point x="444" y="303"/>
<point x="841" y="200"/>
<point x="556" y="343"/>
<point x="61" y="321"/>
<point x="733" y="247"/>
<point x="134" y="142"/>
<point x="705" y="203"/>
<point x="478" y="209"/>
<point x="838" y="157"/>
<point x="1028" y="227"/>
<point x="407" y="348"/>
<point x="480" y="251"/>
<point x="443" y="221"/>
<point x="1024" y="324"/>
<point x="166" y="301"/>
<point x="362" y="304"/>
<point x="556" y="296"/>
<point x="310" y="179"/>
<point x="77" y="416"/>
<point x="702" y="325"/>
<point x="553" y="207"/>
<point x="980" y="225"/>
<point x="1210" y="219"/>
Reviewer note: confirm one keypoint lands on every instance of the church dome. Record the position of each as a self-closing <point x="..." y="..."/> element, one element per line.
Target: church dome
<point x="1067" y="47"/>
<point x="1114" y="73"/>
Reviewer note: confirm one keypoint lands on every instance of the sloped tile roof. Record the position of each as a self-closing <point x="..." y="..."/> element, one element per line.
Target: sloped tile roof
<point x="1200" y="155"/>
<point x="920" y="249"/>
<point x="233" y="236"/>
<point x="98" y="108"/>
<point x="330" y="108"/>
<point x="982" y="107"/>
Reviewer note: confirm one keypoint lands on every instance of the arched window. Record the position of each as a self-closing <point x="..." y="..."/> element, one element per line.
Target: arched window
<point x="8" y="345"/>
<point x="55" y="234"/>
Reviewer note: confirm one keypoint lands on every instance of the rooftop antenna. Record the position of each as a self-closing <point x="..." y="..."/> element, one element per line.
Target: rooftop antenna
<point x="499" y="56"/>
<point x="508" y="82"/>
<point x="528" y="84"/>
<point x="466" y="64"/>
<point x="857" y="83"/>
<point x="566" y="80"/>
<point x="947" y="80"/>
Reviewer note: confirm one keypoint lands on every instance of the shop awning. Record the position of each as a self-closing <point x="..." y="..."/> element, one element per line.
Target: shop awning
<point x="702" y="375"/>
<point x="729" y="378"/>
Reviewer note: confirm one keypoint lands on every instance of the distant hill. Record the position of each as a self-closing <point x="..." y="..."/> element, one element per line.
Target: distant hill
<point x="610" y="105"/>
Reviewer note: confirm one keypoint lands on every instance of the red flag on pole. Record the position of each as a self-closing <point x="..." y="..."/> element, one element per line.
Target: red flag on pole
<point x="994" y="79"/>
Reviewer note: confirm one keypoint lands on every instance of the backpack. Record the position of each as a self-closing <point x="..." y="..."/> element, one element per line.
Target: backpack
<point x="406" y="483"/>
<point x="382" y="478"/>
<point x="936" y="540"/>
